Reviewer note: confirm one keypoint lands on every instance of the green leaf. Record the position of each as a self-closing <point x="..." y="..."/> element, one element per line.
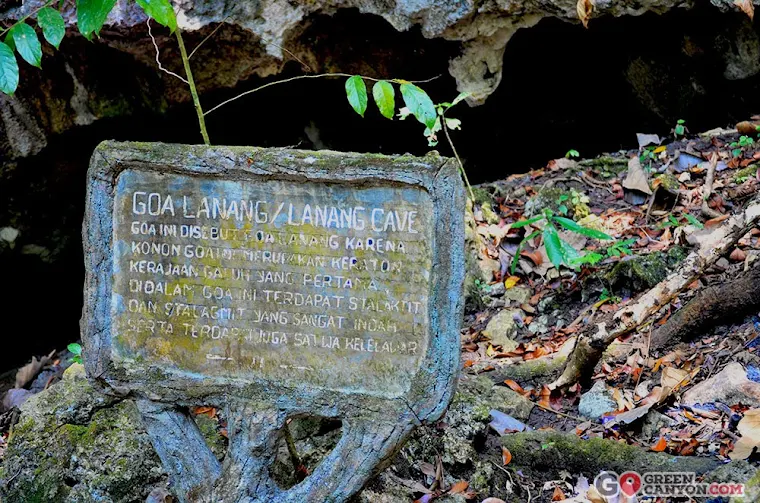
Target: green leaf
<point x="420" y="104"/>
<point x="553" y="246"/>
<point x="8" y="70"/>
<point x="523" y="223"/>
<point x="75" y="348"/>
<point x="27" y="43"/>
<point x="161" y="11"/>
<point x="384" y="96"/>
<point x="10" y="42"/>
<point x="53" y="27"/>
<point x="356" y="92"/>
<point x="569" y="254"/>
<point x="575" y="227"/>
<point x="693" y="221"/>
<point x="459" y="98"/>
<point x="91" y="14"/>
<point x="589" y="258"/>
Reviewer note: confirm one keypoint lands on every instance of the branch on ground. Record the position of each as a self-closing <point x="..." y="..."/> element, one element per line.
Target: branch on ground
<point x="593" y="341"/>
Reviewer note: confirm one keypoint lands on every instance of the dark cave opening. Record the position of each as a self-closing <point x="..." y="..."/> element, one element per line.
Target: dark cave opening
<point x="563" y="87"/>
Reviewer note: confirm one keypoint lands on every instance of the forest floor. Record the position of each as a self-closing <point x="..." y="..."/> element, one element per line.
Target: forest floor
<point x="676" y="389"/>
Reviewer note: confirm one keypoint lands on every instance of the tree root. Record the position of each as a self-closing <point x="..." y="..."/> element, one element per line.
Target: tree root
<point x="594" y="340"/>
<point x="710" y="307"/>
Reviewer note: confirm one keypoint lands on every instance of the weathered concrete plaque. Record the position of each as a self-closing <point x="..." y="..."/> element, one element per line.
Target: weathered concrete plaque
<point x="273" y="283"/>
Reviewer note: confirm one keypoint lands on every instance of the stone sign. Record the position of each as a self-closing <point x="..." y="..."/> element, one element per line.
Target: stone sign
<point x="273" y="284"/>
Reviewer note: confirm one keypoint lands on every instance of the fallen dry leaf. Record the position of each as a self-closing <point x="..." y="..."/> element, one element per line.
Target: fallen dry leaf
<point x="746" y="7"/>
<point x="545" y="397"/>
<point x="584" y="9"/>
<point x="660" y="445"/>
<point x="749" y="427"/>
<point x="636" y="179"/>
<point x="506" y="456"/>
<point x="558" y="495"/>
<point x="459" y="487"/>
<point x="514" y="386"/>
<point x="738" y="255"/>
<point x="511" y="281"/>
<point x="28" y="372"/>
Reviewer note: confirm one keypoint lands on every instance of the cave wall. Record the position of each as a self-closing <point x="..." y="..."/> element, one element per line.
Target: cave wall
<point x="560" y="86"/>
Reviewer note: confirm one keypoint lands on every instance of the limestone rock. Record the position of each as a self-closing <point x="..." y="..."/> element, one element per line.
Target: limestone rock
<point x="502" y="327"/>
<point x="729" y="386"/>
<point x="596" y="402"/>
<point x="518" y="294"/>
<point x="73" y="443"/>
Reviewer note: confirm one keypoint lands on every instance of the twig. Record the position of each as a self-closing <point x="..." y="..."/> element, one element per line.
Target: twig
<point x="158" y="62"/>
<point x="208" y="37"/>
<point x="299" y="77"/>
<point x="193" y="90"/>
<point x="708" y="187"/>
<point x="591" y="345"/>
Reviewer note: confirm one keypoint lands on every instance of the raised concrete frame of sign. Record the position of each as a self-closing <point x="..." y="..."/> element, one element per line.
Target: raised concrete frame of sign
<point x="373" y="427"/>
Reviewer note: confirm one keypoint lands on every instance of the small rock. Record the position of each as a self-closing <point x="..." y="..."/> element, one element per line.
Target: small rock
<point x="519" y="294"/>
<point x="497" y="289"/>
<point x="596" y="402"/>
<point x="729" y="386"/>
<point x="15" y="397"/>
<point x="488" y="267"/>
<point x="511" y="402"/>
<point x="8" y="234"/>
<point x="502" y="327"/>
<point x="540" y="325"/>
<point x="653" y="423"/>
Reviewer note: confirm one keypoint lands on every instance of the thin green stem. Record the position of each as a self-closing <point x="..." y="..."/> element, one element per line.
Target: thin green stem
<point x="35" y="11"/>
<point x="193" y="90"/>
<point x="459" y="161"/>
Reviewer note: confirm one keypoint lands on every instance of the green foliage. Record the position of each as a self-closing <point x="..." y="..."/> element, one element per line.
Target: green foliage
<point x="572" y="153"/>
<point x="606" y="295"/>
<point x="161" y="11"/>
<point x="419" y="104"/>
<point x="385" y="98"/>
<point x="91" y="14"/>
<point x="674" y="222"/>
<point x="620" y="248"/>
<point x="737" y="147"/>
<point x="27" y="44"/>
<point x="575" y="198"/>
<point x="558" y="250"/>
<point x="693" y="221"/>
<point x="76" y="349"/>
<point x="680" y="128"/>
<point x="8" y="70"/>
<point x="53" y="27"/>
<point x="356" y="92"/>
